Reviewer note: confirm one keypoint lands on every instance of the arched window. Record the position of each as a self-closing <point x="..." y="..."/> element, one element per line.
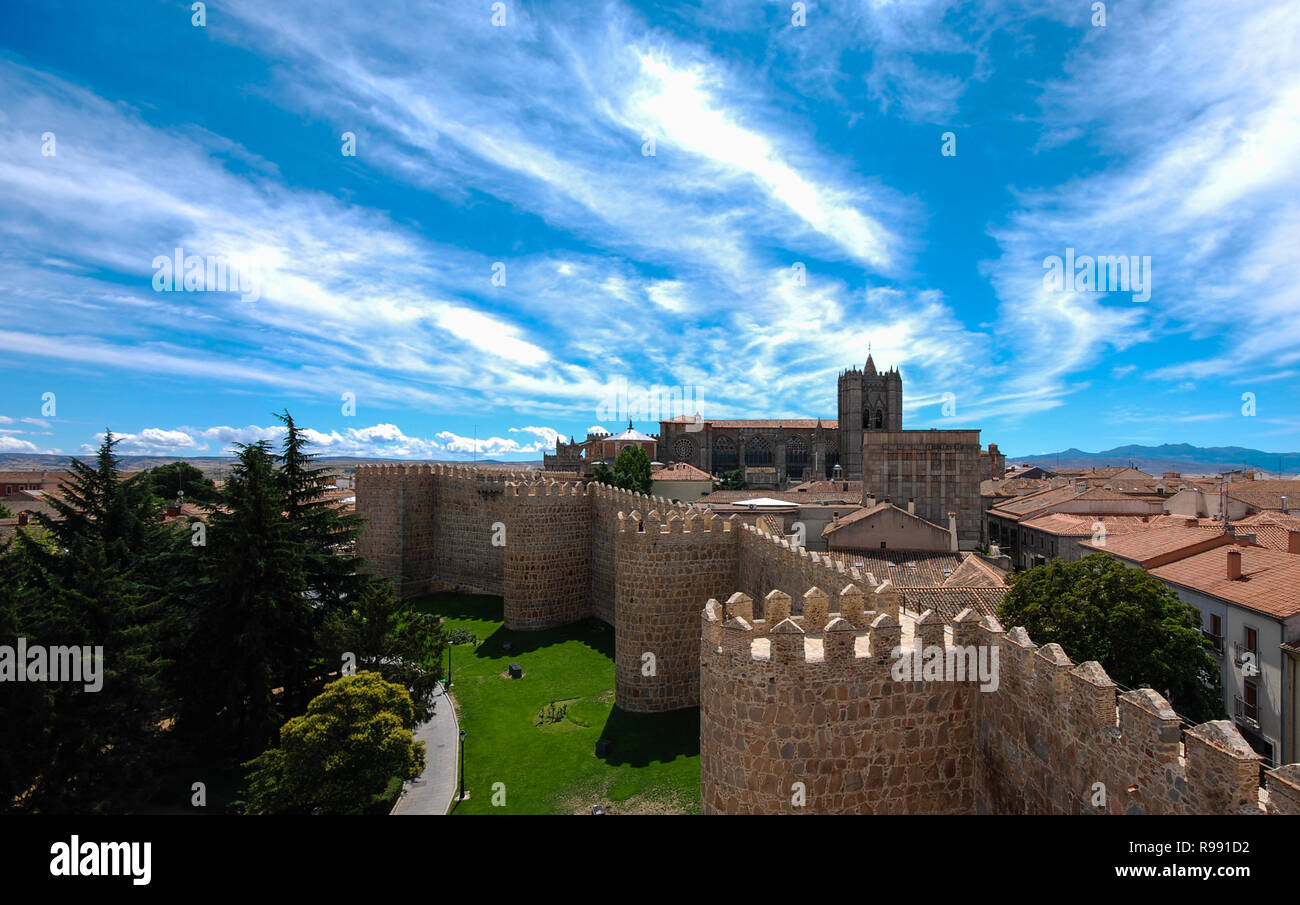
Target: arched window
<point x="880" y="419"/>
<point x="757" y="452"/>
<point x="724" y="455"/>
<point x="796" y="457"/>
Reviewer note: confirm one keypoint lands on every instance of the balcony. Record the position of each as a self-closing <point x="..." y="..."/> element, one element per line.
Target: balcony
<point x="1244" y="713"/>
<point x="1216" y="641"/>
<point x="1245" y="659"/>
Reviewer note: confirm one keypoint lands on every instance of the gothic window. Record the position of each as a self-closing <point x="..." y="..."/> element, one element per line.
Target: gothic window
<point x="796" y="457"/>
<point x="724" y="455"/>
<point x="880" y="419"/>
<point x="757" y="452"/>
<point x="684" y="450"/>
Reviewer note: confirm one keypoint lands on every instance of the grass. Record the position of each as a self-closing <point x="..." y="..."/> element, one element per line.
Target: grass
<point x="552" y="768"/>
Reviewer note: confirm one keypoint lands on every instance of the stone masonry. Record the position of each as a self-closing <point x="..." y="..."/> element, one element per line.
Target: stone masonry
<point x="800" y="714"/>
<point x="559" y="552"/>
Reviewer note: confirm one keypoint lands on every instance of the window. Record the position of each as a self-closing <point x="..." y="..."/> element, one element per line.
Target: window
<point x="1252" y="701"/>
<point x="880" y="419"/>
<point x="882" y="545"/>
<point x="796" y="457"/>
<point x="1216" y="624"/>
<point x="724" y="455"/>
<point x="757" y="452"/>
<point x="1252" y="639"/>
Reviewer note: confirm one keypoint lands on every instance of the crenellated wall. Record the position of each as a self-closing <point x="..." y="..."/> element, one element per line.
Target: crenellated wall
<point x="558" y="552"/>
<point x="663" y="569"/>
<point x="803" y="715"/>
<point x="547" y="555"/>
<point x="768" y="562"/>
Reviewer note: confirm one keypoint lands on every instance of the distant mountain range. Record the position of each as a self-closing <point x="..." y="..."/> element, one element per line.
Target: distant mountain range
<point x="1182" y="457"/>
<point x="212" y="466"/>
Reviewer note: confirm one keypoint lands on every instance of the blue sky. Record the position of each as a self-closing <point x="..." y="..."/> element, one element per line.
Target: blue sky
<point x="1169" y="133"/>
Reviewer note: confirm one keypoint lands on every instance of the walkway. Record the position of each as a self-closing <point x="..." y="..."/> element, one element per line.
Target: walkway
<point x="433" y="790"/>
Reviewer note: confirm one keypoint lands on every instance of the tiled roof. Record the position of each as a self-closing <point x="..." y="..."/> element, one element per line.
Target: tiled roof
<point x="1080" y="524"/>
<point x="1269" y="582"/>
<point x="680" y="471"/>
<point x="34" y="477"/>
<point x="909" y="569"/>
<point x="852" y="488"/>
<point x="1265" y="494"/>
<point x="974" y="572"/>
<point x="1146" y="547"/>
<point x="867" y="512"/>
<point x="948" y="602"/>
<point x="798" y="423"/>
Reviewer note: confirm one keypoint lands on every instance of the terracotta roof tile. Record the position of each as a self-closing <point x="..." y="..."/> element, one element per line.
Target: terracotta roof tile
<point x="1269" y="582"/>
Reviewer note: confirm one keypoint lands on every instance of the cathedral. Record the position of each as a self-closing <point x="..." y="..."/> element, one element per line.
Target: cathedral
<point x="938" y="471"/>
<point x="774" y="451"/>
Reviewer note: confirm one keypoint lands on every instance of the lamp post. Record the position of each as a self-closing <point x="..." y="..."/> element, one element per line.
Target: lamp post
<point x="448" y="664"/>
<point x="462" y="765"/>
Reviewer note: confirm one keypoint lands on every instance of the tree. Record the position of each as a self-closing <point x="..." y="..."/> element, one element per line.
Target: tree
<point x="166" y="481"/>
<point x="631" y="471"/>
<point x="1124" y="618"/>
<point x="5" y="512"/>
<point x="385" y="636"/>
<point x="246" y="619"/>
<point x="339" y="757"/>
<point x="734" y="480"/>
<point x="88" y="580"/>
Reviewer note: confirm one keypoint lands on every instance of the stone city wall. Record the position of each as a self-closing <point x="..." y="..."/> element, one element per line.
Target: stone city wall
<point x="800" y="719"/>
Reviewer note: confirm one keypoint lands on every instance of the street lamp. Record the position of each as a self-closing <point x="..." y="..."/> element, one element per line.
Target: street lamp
<point x="462" y="765"/>
<point x="448" y="664"/>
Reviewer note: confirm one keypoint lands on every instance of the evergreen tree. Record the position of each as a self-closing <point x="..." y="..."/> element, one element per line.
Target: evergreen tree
<point x="88" y="579"/>
<point x="385" y="636"/>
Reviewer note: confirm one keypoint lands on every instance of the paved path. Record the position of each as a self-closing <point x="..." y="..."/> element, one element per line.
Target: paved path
<point x="433" y="790"/>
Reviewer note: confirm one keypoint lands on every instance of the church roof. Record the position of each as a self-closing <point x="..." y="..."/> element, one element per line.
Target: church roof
<point x="630" y="433"/>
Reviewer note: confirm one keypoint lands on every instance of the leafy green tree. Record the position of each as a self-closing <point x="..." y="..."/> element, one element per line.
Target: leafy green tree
<point x="5" y="511"/>
<point x="1124" y="618"/>
<point x="166" y="481"/>
<point x="632" y="470"/>
<point x="734" y="480"/>
<point x="403" y="645"/>
<point x="339" y="757"/>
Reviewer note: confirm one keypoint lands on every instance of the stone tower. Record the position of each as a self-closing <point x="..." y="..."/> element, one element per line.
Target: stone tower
<point x="868" y="400"/>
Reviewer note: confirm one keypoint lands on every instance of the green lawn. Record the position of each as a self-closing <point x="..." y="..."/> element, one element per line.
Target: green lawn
<point x="553" y="768"/>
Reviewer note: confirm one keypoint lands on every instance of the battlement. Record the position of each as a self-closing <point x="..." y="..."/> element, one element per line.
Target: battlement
<point x="690" y="522"/>
<point x="877" y="714"/>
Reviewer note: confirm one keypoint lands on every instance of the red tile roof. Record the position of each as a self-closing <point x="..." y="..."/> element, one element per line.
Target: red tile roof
<point x="680" y="471"/>
<point x="1158" y="545"/>
<point x="1269" y="582"/>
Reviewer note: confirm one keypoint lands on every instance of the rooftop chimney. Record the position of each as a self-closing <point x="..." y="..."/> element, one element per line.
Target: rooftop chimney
<point x="1284" y="504"/>
<point x="1191" y="523"/>
<point x="1234" y="564"/>
<point x="952" y="532"/>
<point x="1293" y="542"/>
<point x="911" y="506"/>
